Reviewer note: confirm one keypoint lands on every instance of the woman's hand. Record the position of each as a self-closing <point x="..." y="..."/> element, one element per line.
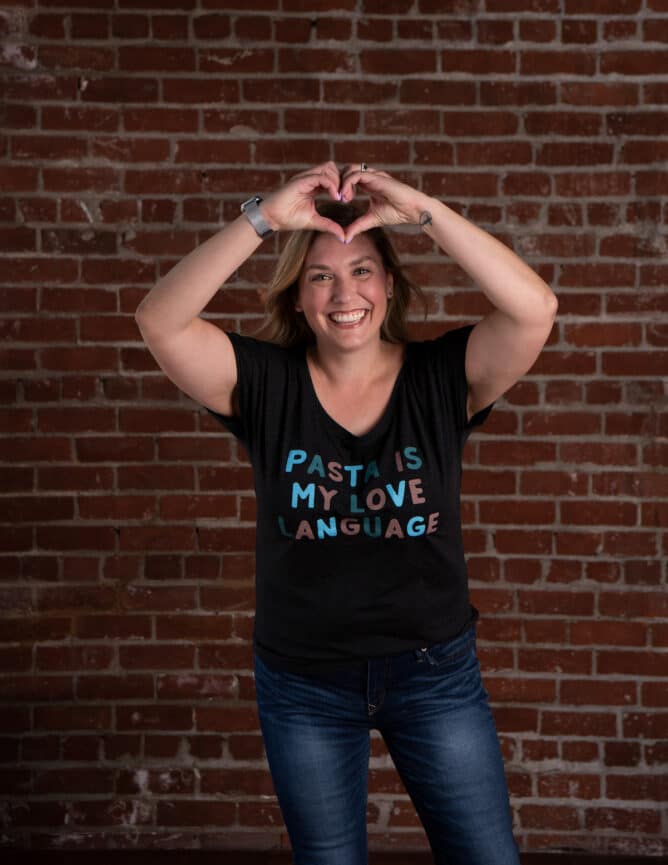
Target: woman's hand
<point x="390" y="201"/>
<point x="292" y="208"/>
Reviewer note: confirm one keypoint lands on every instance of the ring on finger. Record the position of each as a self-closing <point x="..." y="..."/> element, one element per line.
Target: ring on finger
<point x="364" y="167"/>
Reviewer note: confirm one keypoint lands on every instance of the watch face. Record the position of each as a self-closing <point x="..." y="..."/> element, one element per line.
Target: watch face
<point x="252" y="202"/>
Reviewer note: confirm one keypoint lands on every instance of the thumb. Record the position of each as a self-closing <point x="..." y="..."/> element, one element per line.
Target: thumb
<point x="362" y="223"/>
<point x="321" y="223"/>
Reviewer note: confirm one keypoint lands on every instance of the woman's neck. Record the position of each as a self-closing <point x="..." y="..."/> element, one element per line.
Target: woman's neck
<point x="358" y="367"/>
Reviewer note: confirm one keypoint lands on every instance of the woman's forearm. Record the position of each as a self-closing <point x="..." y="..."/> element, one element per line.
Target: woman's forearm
<point x="182" y="294"/>
<point x="510" y="284"/>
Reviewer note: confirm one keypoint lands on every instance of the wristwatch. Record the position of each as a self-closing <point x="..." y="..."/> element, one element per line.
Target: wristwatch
<point x="253" y="214"/>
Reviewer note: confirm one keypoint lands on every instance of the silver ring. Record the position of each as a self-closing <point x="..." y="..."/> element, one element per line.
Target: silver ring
<point x="364" y="167"/>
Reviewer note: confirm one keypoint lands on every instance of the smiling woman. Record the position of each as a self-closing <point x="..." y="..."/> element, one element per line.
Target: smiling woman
<point x="285" y="327"/>
<point x="355" y="433"/>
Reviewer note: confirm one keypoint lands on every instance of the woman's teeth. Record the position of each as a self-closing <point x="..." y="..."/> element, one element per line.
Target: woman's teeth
<point x="348" y="317"/>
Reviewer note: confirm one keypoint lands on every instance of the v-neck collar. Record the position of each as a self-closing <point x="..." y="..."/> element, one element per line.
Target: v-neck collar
<point x="333" y="426"/>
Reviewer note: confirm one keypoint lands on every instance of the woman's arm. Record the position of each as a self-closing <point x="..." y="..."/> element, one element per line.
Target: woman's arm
<point x="196" y="354"/>
<point x="504" y="345"/>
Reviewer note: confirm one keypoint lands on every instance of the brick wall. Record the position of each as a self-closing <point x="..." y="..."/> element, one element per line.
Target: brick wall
<point x="132" y="129"/>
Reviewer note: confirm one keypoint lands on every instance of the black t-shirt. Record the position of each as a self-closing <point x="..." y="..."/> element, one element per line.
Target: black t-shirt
<point x="359" y="548"/>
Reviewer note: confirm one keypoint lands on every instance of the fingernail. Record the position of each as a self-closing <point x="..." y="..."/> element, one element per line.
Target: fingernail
<point x="338" y="195"/>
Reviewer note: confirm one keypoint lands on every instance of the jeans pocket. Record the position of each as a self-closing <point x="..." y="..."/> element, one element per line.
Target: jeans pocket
<point x="450" y="654"/>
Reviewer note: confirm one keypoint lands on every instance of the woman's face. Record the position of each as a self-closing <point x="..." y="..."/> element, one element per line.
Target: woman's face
<point x="343" y="292"/>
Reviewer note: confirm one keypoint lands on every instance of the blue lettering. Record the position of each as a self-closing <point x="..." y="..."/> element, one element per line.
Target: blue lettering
<point x="283" y="530"/>
<point x="316" y="465"/>
<point x="326" y="528"/>
<point x="415" y="527"/>
<point x="413" y="461"/>
<point x="366" y="526"/>
<point x="371" y="471"/>
<point x="299" y="492"/>
<point x="295" y="458"/>
<point x="397" y="495"/>
<point x="354" y="507"/>
<point x="353" y="473"/>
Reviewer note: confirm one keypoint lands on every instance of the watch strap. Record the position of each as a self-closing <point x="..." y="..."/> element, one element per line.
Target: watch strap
<point x="251" y="209"/>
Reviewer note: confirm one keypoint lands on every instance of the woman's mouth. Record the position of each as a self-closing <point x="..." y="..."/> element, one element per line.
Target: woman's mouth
<point x="353" y="317"/>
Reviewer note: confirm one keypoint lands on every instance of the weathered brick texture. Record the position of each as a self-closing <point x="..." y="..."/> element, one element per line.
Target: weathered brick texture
<point x="131" y="131"/>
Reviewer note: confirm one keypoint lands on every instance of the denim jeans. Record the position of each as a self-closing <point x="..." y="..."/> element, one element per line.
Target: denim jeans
<point x="432" y="711"/>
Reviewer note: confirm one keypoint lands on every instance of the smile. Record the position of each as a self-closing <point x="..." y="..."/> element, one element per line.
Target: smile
<point x="353" y="317"/>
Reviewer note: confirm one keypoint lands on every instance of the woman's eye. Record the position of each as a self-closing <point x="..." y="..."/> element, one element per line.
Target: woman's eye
<point x="362" y="270"/>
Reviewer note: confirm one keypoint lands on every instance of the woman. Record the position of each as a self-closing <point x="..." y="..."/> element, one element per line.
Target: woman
<point x="363" y="618"/>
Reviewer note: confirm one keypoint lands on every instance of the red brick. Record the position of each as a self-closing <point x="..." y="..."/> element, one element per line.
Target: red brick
<point x="542" y="602"/>
<point x="326" y="121"/>
<point x="306" y="60"/>
<point x="555" y="661"/>
<point x="138" y="716"/>
<point x="244" y="61"/>
<point x="640" y="821"/>
<point x="72" y="781"/>
<point x="170" y="27"/>
<point x="654" y="693"/>
<point x="560" y="785"/>
<point x="582" y="723"/>
<point x="157" y="120"/>
<point x="140" y="538"/>
<point x="174" y="781"/>
<point x="527" y="690"/>
<point x="580" y="752"/>
<point x="73" y="657"/>
<point x="548" y="817"/>
<point x="585" y="692"/>
<point x="182" y="90"/>
<point x="113" y="626"/>
<point x="126" y="687"/>
<point x="156" y="657"/>
<point x="33" y="688"/>
<point x="156" y="58"/>
<point x="628" y="604"/>
<point x="652" y="787"/>
<point x="652" y="725"/>
<point x="157" y="598"/>
<point x="195" y="812"/>
<point x="190" y="687"/>
<point x="214" y="26"/>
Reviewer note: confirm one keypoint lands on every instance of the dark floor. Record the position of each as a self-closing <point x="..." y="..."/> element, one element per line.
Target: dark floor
<point x="229" y="857"/>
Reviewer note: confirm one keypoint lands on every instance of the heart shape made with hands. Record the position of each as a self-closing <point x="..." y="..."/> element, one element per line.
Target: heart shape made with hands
<point x="348" y="192"/>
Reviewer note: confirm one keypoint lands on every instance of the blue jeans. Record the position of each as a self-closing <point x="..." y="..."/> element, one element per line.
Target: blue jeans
<point x="432" y="710"/>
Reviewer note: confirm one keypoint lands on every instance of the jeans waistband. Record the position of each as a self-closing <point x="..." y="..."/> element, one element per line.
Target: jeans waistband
<point x="357" y="673"/>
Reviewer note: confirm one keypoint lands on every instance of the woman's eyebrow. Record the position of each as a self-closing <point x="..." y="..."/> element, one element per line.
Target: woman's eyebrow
<point x="326" y="267"/>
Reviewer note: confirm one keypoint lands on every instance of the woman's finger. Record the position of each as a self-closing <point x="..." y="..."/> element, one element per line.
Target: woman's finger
<point x="325" y="177"/>
<point x="361" y="224"/>
<point x="321" y="223"/>
<point x="357" y="177"/>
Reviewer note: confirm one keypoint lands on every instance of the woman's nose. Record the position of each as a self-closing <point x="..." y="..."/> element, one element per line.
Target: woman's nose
<point x="342" y="290"/>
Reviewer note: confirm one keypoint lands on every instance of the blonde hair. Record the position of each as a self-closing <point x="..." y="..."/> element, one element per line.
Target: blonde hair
<point x="286" y="327"/>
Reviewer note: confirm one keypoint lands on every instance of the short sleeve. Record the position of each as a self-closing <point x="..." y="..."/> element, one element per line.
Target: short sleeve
<point x="451" y="351"/>
<point x="252" y="357"/>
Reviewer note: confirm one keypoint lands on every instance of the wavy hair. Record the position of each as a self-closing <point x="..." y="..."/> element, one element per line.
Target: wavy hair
<point x="286" y="327"/>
